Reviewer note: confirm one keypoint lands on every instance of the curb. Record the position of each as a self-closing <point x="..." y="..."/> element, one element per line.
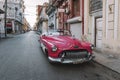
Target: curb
<point x="106" y="66"/>
<point x="102" y="59"/>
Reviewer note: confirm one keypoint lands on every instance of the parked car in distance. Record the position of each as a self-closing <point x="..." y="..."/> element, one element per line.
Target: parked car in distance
<point x="65" y="48"/>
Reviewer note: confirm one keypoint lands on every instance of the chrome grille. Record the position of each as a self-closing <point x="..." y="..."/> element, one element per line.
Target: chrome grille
<point x="75" y="54"/>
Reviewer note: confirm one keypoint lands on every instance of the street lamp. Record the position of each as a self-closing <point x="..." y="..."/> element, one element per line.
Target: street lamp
<point x="5" y="16"/>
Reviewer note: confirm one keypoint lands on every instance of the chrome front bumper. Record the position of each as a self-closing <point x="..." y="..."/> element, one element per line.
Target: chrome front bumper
<point x="75" y="61"/>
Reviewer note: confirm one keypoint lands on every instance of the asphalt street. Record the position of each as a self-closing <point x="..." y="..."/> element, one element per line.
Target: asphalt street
<point x="22" y="59"/>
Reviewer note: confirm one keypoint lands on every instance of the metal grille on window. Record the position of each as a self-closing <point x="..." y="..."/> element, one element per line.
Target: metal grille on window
<point x="95" y="6"/>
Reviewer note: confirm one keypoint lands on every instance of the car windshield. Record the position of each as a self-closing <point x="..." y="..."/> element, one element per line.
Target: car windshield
<point x="56" y="32"/>
<point x="53" y="33"/>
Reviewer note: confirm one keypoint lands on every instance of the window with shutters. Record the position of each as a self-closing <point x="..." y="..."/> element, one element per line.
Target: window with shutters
<point x="95" y="6"/>
<point x="76" y="8"/>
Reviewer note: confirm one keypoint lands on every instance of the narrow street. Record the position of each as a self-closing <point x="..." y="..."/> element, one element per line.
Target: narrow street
<point x="22" y="59"/>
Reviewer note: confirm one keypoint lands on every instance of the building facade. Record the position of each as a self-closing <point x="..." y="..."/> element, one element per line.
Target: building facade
<point x="26" y="26"/>
<point x="15" y="10"/>
<point x="42" y="18"/>
<point x="1" y="19"/>
<point x="51" y="12"/>
<point x="43" y="21"/>
<point x="93" y="13"/>
<point x="67" y="15"/>
<point x="38" y="10"/>
<point x="111" y="29"/>
<point x="76" y="17"/>
<point x="102" y="24"/>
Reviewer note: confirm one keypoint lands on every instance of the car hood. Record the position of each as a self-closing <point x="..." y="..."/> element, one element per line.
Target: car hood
<point x="66" y="42"/>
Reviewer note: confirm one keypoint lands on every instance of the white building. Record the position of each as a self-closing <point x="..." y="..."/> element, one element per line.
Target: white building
<point x="52" y="16"/>
<point x="15" y="9"/>
<point x="93" y="21"/>
<point x="1" y="19"/>
<point x="102" y="24"/>
<point x="42" y="23"/>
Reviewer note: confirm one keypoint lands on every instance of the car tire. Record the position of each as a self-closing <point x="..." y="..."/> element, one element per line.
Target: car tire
<point x="41" y="48"/>
<point x="40" y="45"/>
<point x="51" y="62"/>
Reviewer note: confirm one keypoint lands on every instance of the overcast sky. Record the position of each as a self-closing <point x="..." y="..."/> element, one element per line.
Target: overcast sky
<point x="30" y="11"/>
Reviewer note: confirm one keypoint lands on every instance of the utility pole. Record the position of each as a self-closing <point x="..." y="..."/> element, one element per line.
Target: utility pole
<point x="5" y="17"/>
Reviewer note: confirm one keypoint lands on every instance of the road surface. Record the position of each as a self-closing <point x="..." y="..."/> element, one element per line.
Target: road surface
<point x="22" y="59"/>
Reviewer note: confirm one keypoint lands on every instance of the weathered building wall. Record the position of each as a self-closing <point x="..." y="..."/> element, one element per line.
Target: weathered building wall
<point x="111" y="39"/>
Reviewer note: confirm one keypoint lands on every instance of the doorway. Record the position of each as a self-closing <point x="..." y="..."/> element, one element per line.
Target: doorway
<point x="98" y="32"/>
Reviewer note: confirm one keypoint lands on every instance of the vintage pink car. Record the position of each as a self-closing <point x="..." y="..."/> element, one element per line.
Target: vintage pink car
<point x="65" y="49"/>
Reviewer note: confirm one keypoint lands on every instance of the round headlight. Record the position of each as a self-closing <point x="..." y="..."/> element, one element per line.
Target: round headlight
<point x="92" y="47"/>
<point x="54" y="48"/>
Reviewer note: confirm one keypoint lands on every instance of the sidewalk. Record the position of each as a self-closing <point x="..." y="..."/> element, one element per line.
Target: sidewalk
<point x="109" y="60"/>
<point x="2" y="36"/>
